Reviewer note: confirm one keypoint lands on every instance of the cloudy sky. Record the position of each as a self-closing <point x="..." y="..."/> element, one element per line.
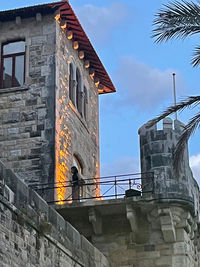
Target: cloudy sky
<point x="141" y="70"/>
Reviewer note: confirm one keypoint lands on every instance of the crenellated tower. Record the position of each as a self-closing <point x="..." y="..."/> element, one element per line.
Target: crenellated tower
<point x="156" y="155"/>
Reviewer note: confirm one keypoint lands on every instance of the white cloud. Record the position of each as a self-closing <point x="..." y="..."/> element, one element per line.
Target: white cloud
<point x="195" y="166"/>
<point x="144" y="86"/>
<point x="123" y="165"/>
<point x="99" y="22"/>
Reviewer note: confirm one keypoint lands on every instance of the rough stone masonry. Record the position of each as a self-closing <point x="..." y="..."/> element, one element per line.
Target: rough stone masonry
<point x="42" y="129"/>
<point x="34" y="234"/>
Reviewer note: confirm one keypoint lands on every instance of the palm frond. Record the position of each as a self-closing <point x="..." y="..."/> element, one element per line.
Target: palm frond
<point x="180" y="147"/>
<point x="177" y="19"/>
<point x="191" y="101"/>
<point x="196" y="59"/>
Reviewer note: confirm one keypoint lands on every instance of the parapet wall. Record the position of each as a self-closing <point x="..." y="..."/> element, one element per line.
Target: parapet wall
<point x="156" y="153"/>
<point x="34" y="234"/>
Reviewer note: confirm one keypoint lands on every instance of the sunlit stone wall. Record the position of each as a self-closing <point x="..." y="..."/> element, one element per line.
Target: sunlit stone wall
<point x="75" y="135"/>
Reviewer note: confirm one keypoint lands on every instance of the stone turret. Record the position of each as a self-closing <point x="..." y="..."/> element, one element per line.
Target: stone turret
<point x="156" y="149"/>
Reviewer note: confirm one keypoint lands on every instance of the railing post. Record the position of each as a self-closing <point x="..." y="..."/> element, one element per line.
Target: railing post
<point x="129" y="183"/>
<point x="115" y="187"/>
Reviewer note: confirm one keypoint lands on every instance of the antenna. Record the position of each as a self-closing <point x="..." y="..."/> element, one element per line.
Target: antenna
<point x="174" y="89"/>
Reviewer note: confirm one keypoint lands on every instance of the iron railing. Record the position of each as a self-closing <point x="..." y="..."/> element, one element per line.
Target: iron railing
<point x="111" y="187"/>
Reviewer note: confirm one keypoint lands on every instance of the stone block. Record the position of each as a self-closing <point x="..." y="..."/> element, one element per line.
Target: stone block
<point x="17" y="152"/>
<point x="87" y="246"/>
<point x="167" y="123"/>
<point x="45" y="70"/>
<point x="148" y="254"/>
<point x="73" y="235"/>
<point x="169" y="233"/>
<point x="161" y="160"/>
<point x="182" y="235"/>
<point x="42" y="113"/>
<point x="143" y="263"/>
<point x="164" y="261"/>
<point x="53" y="216"/>
<point x="37" y="40"/>
<point x="11" y="117"/>
<point x="180" y="248"/>
<point x="49" y="28"/>
<point x="157" y="147"/>
<point x="13" y="130"/>
<point x="181" y="260"/>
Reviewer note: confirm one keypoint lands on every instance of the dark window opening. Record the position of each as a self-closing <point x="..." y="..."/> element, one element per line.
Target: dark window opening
<point x="85" y="103"/>
<point x="78" y="92"/>
<point x="12" y="64"/>
<point x="71" y="84"/>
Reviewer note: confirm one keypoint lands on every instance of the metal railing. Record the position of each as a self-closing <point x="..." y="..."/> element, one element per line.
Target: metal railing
<point x="111" y="187"/>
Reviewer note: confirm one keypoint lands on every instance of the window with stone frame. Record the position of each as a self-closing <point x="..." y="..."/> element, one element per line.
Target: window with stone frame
<point x="12" y="72"/>
<point x="77" y="93"/>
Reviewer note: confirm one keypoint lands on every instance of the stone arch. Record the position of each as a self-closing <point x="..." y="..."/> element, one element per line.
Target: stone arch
<point x="79" y="163"/>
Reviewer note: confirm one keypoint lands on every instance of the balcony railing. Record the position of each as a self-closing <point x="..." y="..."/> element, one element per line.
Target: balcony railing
<point x="111" y="187"/>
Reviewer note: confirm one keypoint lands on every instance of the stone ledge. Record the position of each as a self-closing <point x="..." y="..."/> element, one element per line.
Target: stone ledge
<point x="14" y="89"/>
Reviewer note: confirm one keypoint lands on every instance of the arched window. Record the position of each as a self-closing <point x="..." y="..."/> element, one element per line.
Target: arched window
<point x="78" y="92"/>
<point x="85" y="103"/>
<point x="77" y="164"/>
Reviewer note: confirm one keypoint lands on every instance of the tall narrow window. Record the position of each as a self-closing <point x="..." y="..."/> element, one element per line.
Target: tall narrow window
<point x="12" y="64"/>
<point x="78" y="92"/>
<point x="85" y="103"/>
<point x="71" y="84"/>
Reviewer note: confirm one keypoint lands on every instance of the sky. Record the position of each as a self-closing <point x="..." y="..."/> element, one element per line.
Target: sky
<point x="141" y="71"/>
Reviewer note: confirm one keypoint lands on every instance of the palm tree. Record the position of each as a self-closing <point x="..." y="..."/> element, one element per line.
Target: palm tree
<point x="179" y="20"/>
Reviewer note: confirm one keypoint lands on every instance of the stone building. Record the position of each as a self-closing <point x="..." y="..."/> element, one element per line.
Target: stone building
<point x="50" y="79"/>
<point x="160" y="227"/>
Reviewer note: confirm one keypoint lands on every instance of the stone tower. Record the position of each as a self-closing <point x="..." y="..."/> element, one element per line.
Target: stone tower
<point x="156" y="147"/>
<point x="50" y="81"/>
<point x="177" y="198"/>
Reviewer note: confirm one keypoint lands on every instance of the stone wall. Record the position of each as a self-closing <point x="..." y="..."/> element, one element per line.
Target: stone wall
<point x="75" y="135"/>
<point x="34" y="234"/>
<point x="29" y="140"/>
<point x="27" y="112"/>
<point x="139" y="231"/>
<point x="164" y="238"/>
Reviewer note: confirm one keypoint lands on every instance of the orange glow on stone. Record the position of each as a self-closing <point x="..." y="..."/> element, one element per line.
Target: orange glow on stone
<point x="98" y="189"/>
<point x="57" y="16"/>
<point x="62" y="147"/>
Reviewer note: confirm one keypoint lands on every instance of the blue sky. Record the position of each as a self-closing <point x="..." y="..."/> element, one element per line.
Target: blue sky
<point x="141" y="70"/>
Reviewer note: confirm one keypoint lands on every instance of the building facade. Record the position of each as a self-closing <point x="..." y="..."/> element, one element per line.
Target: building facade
<point x="50" y="81"/>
